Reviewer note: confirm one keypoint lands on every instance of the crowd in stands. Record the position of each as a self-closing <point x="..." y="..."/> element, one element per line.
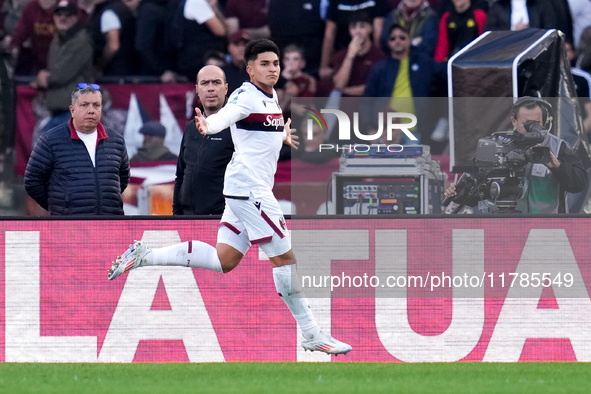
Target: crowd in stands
<point x="330" y="47"/>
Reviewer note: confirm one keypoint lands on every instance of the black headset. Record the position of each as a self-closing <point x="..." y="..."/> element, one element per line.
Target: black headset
<point x="546" y="109"/>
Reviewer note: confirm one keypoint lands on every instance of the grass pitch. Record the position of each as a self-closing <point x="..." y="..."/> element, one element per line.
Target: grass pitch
<point x="296" y="378"/>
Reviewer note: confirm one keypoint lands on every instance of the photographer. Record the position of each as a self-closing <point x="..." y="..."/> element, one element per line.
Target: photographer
<point x="545" y="174"/>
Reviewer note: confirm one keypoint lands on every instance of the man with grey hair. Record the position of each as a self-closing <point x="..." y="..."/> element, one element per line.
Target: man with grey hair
<point x="79" y="167"/>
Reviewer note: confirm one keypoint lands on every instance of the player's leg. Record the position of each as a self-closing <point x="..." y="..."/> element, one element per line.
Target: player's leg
<point x="229" y="256"/>
<point x="264" y="223"/>
<point x="195" y="254"/>
<point x="232" y="245"/>
<point x="288" y="287"/>
<point x="232" y="242"/>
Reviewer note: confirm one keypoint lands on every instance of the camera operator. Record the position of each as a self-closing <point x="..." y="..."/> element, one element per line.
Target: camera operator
<point x="548" y="175"/>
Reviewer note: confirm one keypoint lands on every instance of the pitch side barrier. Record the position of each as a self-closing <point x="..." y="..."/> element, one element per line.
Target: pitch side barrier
<point x="410" y="289"/>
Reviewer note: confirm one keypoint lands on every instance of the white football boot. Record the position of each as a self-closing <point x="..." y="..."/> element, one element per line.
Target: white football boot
<point x="327" y="344"/>
<point x="132" y="258"/>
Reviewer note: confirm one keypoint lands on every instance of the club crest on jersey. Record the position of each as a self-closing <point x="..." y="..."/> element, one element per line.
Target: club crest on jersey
<point x="258" y="205"/>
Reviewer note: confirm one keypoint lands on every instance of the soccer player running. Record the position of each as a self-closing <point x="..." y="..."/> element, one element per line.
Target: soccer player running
<point x="252" y="214"/>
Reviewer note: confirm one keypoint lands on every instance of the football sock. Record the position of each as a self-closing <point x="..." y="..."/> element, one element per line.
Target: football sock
<point x="194" y="254"/>
<point x="288" y="287"/>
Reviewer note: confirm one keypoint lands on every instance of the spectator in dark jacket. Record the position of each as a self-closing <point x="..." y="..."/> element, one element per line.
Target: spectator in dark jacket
<point x="32" y="36"/>
<point x="407" y="74"/>
<point x="196" y="26"/>
<point x="112" y="27"/>
<point x="203" y="159"/>
<point x="419" y="19"/>
<point x="422" y="71"/>
<point x="153" y="148"/>
<point x="235" y="69"/>
<point x="150" y="40"/>
<point x="351" y="65"/>
<point x="79" y="168"/>
<point x="69" y="61"/>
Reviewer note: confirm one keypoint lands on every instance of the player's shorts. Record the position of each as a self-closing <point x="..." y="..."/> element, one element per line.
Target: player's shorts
<point x="254" y="221"/>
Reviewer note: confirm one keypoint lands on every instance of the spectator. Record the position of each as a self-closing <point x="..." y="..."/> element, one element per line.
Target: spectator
<point x="297" y="82"/>
<point x="582" y="81"/>
<point x="150" y="40"/>
<point x="79" y="168"/>
<point x="214" y="58"/>
<point x="336" y="34"/>
<point x="235" y="69"/>
<point x="32" y="36"/>
<point x="317" y="136"/>
<point x="312" y="136"/>
<point x="294" y="62"/>
<point x="419" y="19"/>
<point x="352" y="65"/>
<point x="69" y="61"/>
<point x="304" y="27"/>
<point x="87" y="6"/>
<point x="563" y="17"/>
<point x="584" y="51"/>
<point x="203" y="159"/>
<point x="519" y="15"/>
<point x="196" y="27"/>
<point x="10" y="13"/>
<point x="250" y="16"/>
<point x="457" y="28"/>
<point x="443" y="6"/>
<point x="153" y="148"/>
<point x="112" y="26"/>
<point x="408" y="72"/>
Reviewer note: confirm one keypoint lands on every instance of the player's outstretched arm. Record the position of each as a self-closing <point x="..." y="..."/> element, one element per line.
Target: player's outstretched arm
<point x="224" y="118"/>
<point x="200" y="121"/>
<point x="291" y="138"/>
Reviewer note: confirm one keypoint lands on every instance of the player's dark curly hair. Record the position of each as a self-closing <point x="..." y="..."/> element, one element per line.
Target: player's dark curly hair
<point x="255" y="47"/>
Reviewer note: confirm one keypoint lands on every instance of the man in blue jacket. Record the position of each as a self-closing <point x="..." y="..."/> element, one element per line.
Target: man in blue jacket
<point x="79" y="168"/>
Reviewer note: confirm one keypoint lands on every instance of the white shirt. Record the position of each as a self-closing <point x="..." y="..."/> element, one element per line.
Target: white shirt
<point x="90" y="142"/>
<point x="198" y="10"/>
<point x="518" y="13"/>
<point x="110" y="21"/>
<point x="256" y="123"/>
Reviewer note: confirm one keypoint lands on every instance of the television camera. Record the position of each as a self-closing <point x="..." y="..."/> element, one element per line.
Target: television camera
<point x="500" y="165"/>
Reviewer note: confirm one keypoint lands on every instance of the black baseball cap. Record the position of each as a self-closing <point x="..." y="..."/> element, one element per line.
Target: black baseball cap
<point x="67" y="7"/>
